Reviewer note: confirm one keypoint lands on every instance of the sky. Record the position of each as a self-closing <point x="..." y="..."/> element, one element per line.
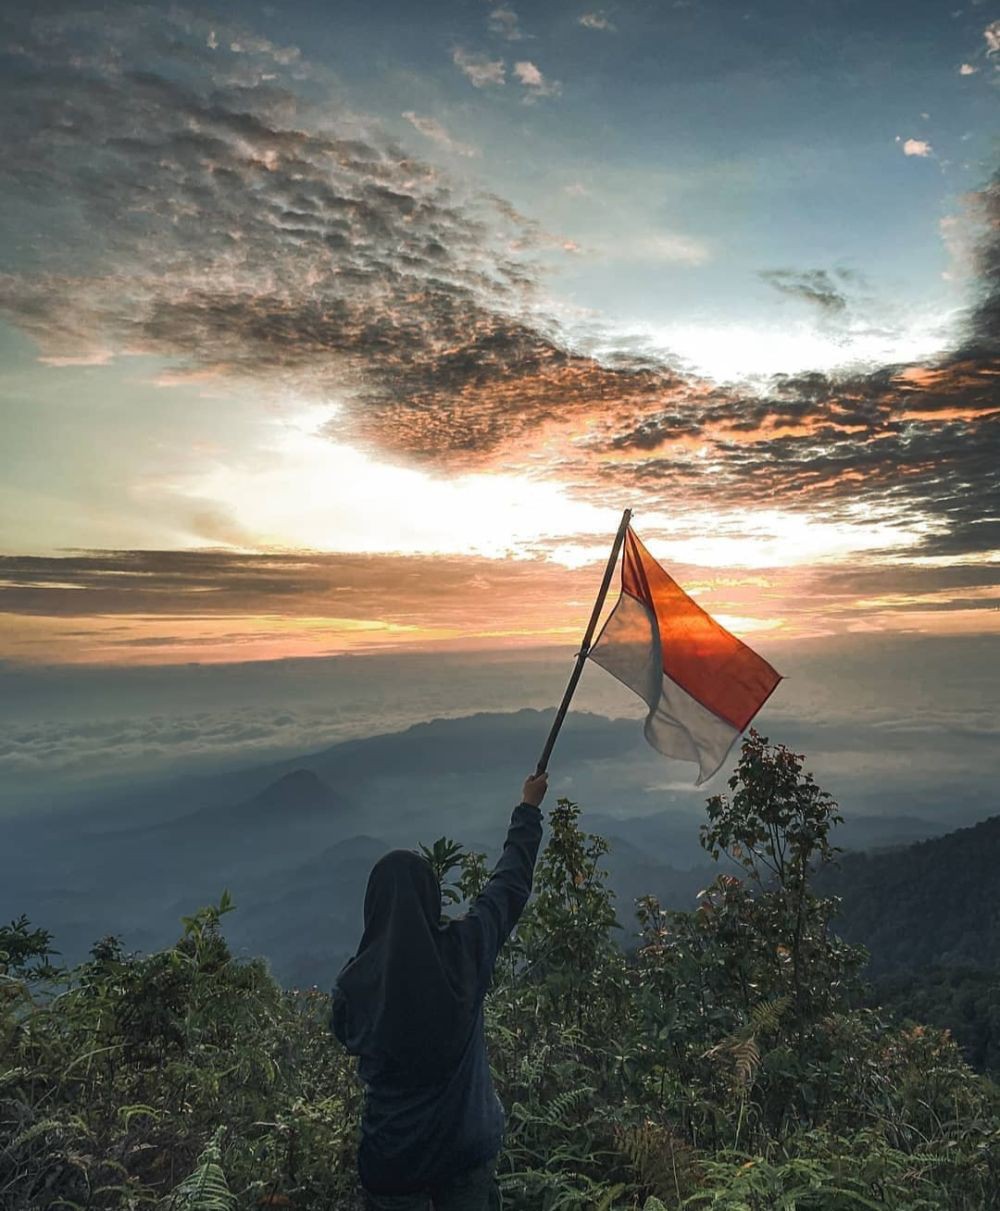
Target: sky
<point x="351" y="329"/>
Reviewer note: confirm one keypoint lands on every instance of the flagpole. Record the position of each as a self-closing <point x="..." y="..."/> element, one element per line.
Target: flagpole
<point x="584" y="651"/>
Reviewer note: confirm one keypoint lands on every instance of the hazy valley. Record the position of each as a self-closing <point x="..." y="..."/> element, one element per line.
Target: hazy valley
<point x="294" y="840"/>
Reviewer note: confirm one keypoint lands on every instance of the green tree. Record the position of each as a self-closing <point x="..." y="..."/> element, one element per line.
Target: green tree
<point x="776" y="828"/>
<point x="738" y="993"/>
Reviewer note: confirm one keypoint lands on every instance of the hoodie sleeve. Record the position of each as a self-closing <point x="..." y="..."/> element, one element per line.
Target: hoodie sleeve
<point x="495" y="911"/>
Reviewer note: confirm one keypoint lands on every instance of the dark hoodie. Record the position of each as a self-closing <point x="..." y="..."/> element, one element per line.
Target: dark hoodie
<point x="410" y="1005"/>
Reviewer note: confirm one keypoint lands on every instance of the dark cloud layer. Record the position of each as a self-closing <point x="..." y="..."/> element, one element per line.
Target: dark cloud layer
<point x="246" y="236"/>
<point x="203" y="205"/>
<point x="206" y="584"/>
<point x="474" y="595"/>
<point x="240" y="220"/>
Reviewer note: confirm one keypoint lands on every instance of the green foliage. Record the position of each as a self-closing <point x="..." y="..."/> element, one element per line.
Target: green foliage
<point x="725" y="1062"/>
<point x="564" y="961"/>
<point x="444" y="856"/>
<point x="115" y="1081"/>
<point x="25" y="952"/>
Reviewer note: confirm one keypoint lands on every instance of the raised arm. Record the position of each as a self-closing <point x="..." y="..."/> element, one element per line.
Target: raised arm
<point x="496" y="909"/>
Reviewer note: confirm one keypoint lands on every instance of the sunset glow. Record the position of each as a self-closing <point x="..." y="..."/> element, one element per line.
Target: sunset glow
<point x="316" y="494"/>
<point x="324" y="366"/>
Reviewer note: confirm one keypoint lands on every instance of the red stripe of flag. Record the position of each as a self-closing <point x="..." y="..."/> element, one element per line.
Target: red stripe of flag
<point x="701" y="656"/>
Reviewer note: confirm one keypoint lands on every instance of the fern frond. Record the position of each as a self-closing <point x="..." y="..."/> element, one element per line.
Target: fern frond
<point x="12" y="1075"/>
<point x="742" y="1054"/>
<point x="609" y="1197"/>
<point x="36" y="1131"/>
<point x="206" y="1189"/>
<point x="746" y="1060"/>
<point x="560" y="1106"/>
<point x="765" y="1018"/>
<point x="664" y="1163"/>
<point x="936" y="1158"/>
<point x="128" y="1113"/>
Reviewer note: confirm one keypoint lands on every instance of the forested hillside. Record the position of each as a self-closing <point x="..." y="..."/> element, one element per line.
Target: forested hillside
<point x="726" y="1062"/>
<point x="929" y="915"/>
<point x="963" y="1000"/>
<point x="936" y="902"/>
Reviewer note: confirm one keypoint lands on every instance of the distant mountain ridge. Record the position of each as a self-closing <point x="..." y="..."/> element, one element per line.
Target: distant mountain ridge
<point x="484" y="742"/>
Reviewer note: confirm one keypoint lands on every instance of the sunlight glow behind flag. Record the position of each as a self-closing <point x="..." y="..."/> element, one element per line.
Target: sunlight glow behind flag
<point x="702" y="685"/>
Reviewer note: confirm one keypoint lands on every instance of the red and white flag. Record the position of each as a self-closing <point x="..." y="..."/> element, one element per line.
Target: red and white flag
<point x="702" y="685"/>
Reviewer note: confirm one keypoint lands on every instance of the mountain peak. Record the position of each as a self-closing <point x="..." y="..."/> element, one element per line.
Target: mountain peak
<point x="298" y="790"/>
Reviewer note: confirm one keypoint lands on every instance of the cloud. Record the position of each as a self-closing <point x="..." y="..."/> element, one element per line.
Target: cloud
<point x="915" y="147"/>
<point x="967" y="70"/>
<point x="221" y="227"/>
<point x="535" y="84"/>
<point x="213" y="606"/>
<point x="221" y="584"/>
<point x="283" y="55"/>
<point x="99" y="357"/>
<point x="479" y="69"/>
<point x="818" y="287"/>
<point x="596" y="20"/>
<point x="432" y="129"/>
<point x="504" y="22"/>
<point x="679" y="249"/>
<point x="656" y="247"/>
<point x="992" y="36"/>
<point x="981" y="344"/>
<point x="50" y="750"/>
<point x="217" y="210"/>
<point x="855" y="705"/>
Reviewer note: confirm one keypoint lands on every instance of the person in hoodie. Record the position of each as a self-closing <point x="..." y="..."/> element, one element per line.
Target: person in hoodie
<point x="410" y="1006"/>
